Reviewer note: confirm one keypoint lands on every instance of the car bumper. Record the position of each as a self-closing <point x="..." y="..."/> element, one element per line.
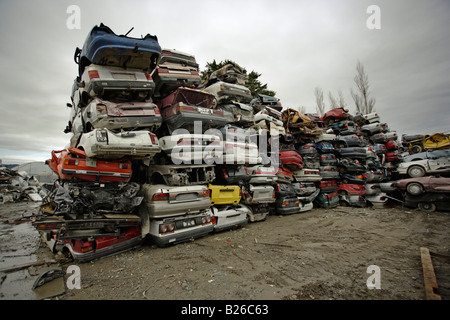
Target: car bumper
<point x="179" y="236"/>
<point x="119" y="151"/>
<point x="189" y="119"/>
<point x="132" y="122"/>
<point x="98" y="87"/>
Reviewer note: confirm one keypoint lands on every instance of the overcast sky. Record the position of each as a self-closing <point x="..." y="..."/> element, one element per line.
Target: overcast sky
<point x="296" y="45"/>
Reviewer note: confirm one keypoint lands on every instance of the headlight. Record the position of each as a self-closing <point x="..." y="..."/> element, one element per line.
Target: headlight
<point x="102" y="135"/>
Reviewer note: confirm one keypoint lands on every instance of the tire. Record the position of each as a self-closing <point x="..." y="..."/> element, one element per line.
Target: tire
<point x="427" y="206"/>
<point x="414" y="188"/>
<point x="416" y="171"/>
<point x="416" y="149"/>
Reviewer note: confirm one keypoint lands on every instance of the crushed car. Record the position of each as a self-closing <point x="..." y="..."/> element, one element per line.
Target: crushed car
<point x="420" y="168"/>
<point x="106" y="144"/>
<point x="176" y="214"/>
<point x="186" y="107"/>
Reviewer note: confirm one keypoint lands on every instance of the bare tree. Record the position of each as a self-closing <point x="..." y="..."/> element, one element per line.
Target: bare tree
<point x="364" y="104"/>
<point x="341" y="100"/>
<point x="319" y="100"/>
<point x="333" y="101"/>
<point x="302" y="109"/>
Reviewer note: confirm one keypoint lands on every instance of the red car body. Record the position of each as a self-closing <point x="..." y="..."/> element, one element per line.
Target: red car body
<point x="291" y="159"/>
<point x="335" y="114"/>
<point x="285" y="175"/>
<point x="358" y="189"/>
<point x="328" y="186"/>
<point x="72" y="164"/>
<point x="83" y="250"/>
<point x="391" y="145"/>
<point x="392" y="156"/>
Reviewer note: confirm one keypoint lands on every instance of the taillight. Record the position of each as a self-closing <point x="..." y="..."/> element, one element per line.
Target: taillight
<point x="163" y="71"/>
<point x="206" y="193"/>
<point x="71" y="162"/>
<point x="167" y="228"/>
<point x="206" y="220"/>
<point x="156" y="110"/>
<point x="225" y="174"/>
<point x="184" y="108"/>
<point x="160" y="197"/>
<point x="195" y="73"/>
<point x="86" y="246"/>
<point x="148" y="76"/>
<point x="278" y="187"/>
<point x="214" y="220"/>
<point x="93" y="74"/>
<point x="154" y="138"/>
<point x="123" y="166"/>
<point x="285" y="204"/>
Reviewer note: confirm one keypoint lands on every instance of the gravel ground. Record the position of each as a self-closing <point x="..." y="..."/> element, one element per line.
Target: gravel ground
<point x="323" y="254"/>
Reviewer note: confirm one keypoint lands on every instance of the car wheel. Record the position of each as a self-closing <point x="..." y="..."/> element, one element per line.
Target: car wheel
<point x="416" y="149"/>
<point x="414" y="188"/>
<point x="416" y="171"/>
<point x="427" y="206"/>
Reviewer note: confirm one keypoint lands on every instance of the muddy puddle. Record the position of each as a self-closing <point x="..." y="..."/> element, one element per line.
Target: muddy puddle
<point x="20" y="252"/>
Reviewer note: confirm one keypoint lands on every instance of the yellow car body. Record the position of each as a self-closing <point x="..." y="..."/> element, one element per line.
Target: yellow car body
<point x="221" y="194"/>
<point x="435" y="141"/>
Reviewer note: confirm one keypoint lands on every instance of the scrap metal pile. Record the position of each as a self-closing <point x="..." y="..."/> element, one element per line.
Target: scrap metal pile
<point x="18" y="185"/>
<point x="158" y="154"/>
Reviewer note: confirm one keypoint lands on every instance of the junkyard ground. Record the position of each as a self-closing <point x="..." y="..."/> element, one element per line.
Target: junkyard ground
<point x="321" y="254"/>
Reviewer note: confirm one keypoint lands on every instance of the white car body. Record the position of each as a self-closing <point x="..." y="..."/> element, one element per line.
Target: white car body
<point x="258" y="194"/>
<point x="307" y="174"/>
<point x="324" y="136"/>
<point x="229" y="217"/>
<point x="105" y="144"/>
<point x="378" y="199"/>
<point x="224" y="91"/>
<point x="388" y="186"/>
<point x="371" y="117"/>
<point x="421" y="167"/>
<point x="262" y="174"/>
<point x="98" y="79"/>
<point x="187" y="148"/>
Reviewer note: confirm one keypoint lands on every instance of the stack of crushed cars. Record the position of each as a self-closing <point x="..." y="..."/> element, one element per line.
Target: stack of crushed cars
<point x="157" y="154"/>
<point x="424" y="171"/>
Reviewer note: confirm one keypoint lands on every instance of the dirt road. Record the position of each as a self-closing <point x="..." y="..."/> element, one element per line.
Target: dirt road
<point x="322" y="254"/>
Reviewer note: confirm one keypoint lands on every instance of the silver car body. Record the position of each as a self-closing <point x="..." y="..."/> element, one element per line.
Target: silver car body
<point x="429" y="166"/>
<point x="98" y="79"/>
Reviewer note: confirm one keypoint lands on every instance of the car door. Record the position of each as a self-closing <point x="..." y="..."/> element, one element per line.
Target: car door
<point x="441" y="164"/>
